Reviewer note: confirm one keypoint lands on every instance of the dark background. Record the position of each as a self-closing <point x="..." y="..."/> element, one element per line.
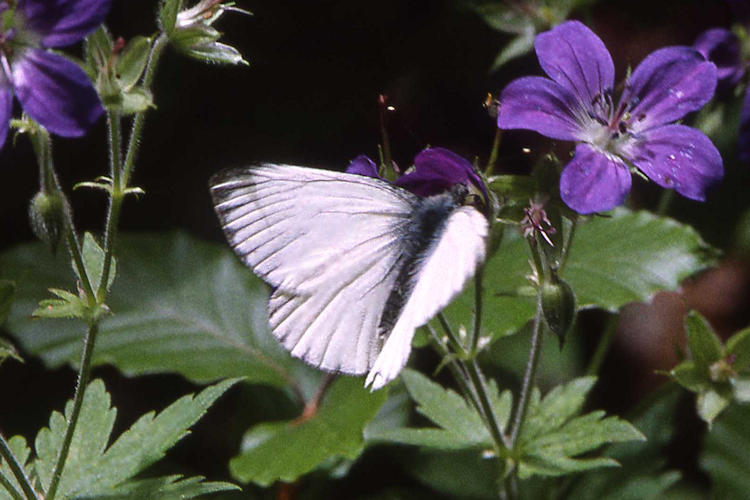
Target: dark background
<point x="309" y="97"/>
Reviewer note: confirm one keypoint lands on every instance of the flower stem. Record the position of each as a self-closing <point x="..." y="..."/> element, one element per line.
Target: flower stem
<point x="530" y="373"/>
<point x="17" y="469"/>
<point x="476" y="331"/>
<point x="138" y="121"/>
<point x="115" y="198"/>
<point x="603" y="346"/>
<point x="494" y="152"/>
<point x="664" y="201"/>
<point x="83" y="379"/>
<point x="42" y="146"/>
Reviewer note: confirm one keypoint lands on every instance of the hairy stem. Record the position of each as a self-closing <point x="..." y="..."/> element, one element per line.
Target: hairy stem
<point x="138" y="121"/>
<point x="83" y="379"/>
<point x="529" y="374"/>
<point x="17" y="469"/>
<point x="494" y="152"/>
<point x="115" y="198"/>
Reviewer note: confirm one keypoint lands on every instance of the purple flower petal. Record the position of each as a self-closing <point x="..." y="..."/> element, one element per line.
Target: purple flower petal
<point x="722" y="47"/>
<point x="668" y="84"/>
<point x="56" y="93"/>
<point x="63" y="22"/>
<point x="574" y="57"/>
<point x="594" y="182"/>
<point x="743" y="138"/>
<point x="539" y="104"/>
<point x="679" y="157"/>
<point x="6" y="108"/>
<point x="436" y="170"/>
<point x="362" y="165"/>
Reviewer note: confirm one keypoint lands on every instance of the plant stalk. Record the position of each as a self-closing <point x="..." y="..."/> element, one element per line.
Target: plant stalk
<point x="83" y="379"/>
<point x="17" y="469"/>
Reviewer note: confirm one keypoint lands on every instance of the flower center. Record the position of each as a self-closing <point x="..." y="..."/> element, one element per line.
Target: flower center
<point x="610" y="126"/>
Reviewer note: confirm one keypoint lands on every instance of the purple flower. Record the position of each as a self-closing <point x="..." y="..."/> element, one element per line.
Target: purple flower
<point x="52" y="90"/>
<point x="576" y="103"/>
<point x="722" y="47"/>
<point x="435" y="171"/>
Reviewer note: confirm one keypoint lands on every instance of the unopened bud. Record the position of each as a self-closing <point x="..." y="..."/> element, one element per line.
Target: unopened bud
<point x="558" y="308"/>
<point x="46" y="218"/>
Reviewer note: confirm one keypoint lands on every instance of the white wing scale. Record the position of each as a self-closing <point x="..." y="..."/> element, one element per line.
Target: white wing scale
<point x="328" y="243"/>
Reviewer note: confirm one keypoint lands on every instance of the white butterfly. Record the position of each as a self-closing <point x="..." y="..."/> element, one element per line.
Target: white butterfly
<point x="355" y="264"/>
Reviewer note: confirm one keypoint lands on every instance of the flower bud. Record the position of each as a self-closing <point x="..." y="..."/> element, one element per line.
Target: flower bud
<point x="46" y="218"/>
<point x="558" y="307"/>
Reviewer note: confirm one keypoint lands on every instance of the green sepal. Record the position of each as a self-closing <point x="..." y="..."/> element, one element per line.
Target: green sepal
<point x="131" y="62"/>
<point x="558" y="307"/>
<point x="216" y="52"/>
<point x="47" y="218"/>
<point x="97" y="51"/>
<point x="8" y="350"/>
<point x="168" y="14"/>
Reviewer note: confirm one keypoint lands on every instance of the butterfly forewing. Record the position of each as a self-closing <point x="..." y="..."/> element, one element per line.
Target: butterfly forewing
<point x="328" y="243"/>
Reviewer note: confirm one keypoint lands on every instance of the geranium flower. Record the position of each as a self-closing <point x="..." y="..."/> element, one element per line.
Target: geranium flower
<point x="722" y="47"/>
<point x="436" y="170"/>
<point x="52" y="90"/>
<point x="576" y="103"/>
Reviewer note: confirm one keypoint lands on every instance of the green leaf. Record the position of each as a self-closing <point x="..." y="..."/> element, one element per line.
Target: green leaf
<point x="93" y="470"/>
<point x="132" y="61"/>
<point x="551" y="436"/>
<point x="712" y="402"/>
<point x="21" y="451"/>
<point x="7" y="294"/>
<point x="284" y="451"/>
<point x="164" y="488"/>
<point x="705" y="345"/>
<point x="180" y="305"/>
<point x="738" y="345"/>
<point x="460" y="426"/>
<point x="613" y="261"/>
<point x="93" y="262"/>
<point x="726" y="454"/>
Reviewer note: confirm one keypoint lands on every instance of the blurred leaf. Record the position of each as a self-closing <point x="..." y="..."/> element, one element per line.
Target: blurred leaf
<point x="506" y="18"/>
<point x="741" y="389"/>
<point x="738" y="345"/>
<point x="7" y="294"/>
<point x="726" y="454"/>
<point x="519" y="46"/>
<point x="711" y="402"/>
<point x="552" y="436"/>
<point x="455" y="474"/>
<point x="284" y="451"/>
<point x="705" y="345"/>
<point x="180" y="305"/>
<point x="7" y="350"/>
<point x="460" y="425"/>
<point x="642" y="476"/>
<point x="613" y="261"/>
<point x="163" y="488"/>
<point x="690" y="376"/>
<point x="90" y="471"/>
<point x="21" y="451"/>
